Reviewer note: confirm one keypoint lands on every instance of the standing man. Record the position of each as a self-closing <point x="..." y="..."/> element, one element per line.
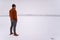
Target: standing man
<point x="13" y="18"/>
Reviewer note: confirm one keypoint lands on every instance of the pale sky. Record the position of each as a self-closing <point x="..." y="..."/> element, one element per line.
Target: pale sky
<point x="34" y="7"/>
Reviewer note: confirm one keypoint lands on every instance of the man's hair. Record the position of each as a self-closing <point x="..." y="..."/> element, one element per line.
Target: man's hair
<point x="13" y="5"/>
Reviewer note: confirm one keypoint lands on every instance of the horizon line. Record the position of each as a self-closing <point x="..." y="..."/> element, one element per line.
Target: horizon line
<point x="30" y="15"/>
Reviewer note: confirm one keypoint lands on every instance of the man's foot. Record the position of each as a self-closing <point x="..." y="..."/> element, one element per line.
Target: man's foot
<point x="16" y="35"/>
<point x="11" y="33"/>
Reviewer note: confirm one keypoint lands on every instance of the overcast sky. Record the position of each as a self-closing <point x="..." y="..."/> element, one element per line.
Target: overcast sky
<point x="34" y="7"/>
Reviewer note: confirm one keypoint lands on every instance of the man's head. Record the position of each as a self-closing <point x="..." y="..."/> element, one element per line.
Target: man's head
<point x="13" y="6"/>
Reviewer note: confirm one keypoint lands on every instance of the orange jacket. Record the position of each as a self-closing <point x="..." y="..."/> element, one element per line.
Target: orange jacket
<point x="13" y="14"/>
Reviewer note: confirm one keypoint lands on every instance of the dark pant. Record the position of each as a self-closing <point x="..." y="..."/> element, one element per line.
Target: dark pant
<point x="13" y="26"/>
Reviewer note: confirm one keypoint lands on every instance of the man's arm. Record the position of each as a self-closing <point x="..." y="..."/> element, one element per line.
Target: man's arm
<point x="15" y="15"/>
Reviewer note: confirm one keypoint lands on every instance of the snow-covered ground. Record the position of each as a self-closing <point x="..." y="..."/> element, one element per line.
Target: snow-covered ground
<point x="31" y="28"/>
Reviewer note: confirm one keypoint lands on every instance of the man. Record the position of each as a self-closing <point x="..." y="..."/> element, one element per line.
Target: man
<point x="13" y="18"/>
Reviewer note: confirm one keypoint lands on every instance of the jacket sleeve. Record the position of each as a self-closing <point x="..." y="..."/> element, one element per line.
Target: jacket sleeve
<point x="15" y="15"/>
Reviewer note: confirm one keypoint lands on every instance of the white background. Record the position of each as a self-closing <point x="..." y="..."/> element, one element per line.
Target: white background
<point x="31" y="27"/>
<point x="33" y="7"/>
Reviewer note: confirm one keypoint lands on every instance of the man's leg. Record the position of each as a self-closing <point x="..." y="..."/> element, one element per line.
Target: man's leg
<point x="15" y="27"/>
<point x="11" y="28"/>
<point x="15" y="23"/>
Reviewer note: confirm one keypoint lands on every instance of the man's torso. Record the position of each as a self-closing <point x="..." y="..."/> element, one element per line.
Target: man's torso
<point x="13" y="14"/>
